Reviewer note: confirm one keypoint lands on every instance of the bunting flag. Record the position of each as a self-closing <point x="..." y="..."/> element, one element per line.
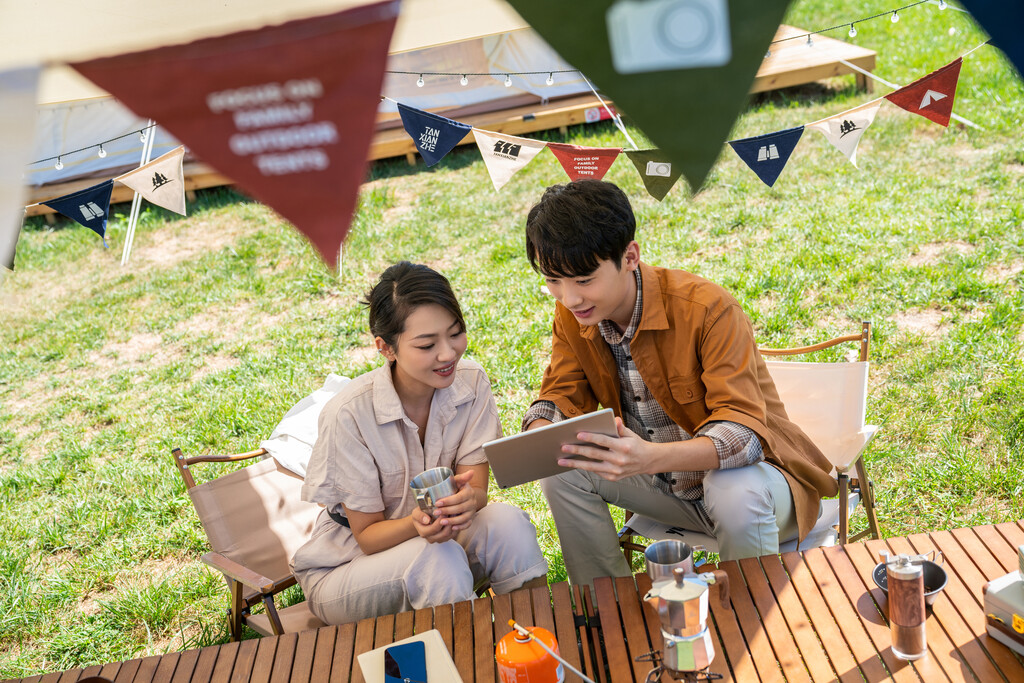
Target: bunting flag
<point x="584" y="162"/>
<point x="932" y="95"/>
<point x="1002" y="20"/>
<point x="767" y="154"/>
<point x="90" y="207"/>
<point x="656" y="170"/>
<point x="681" y="68"/>
<point x="161" y="181"/>
<point x="504" y="155"/>
<point x="434" y="135"/>
<point x="845" y="130"/>
<point x="287" y="112"/>
<point x="17" y="127"/>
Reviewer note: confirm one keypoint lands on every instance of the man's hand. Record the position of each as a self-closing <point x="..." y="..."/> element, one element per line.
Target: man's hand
<point x="457" y="510"/>
<point x="612" y="458"/>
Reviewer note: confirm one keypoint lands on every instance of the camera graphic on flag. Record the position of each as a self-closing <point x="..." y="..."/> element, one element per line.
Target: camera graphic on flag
<point x="663" y="35"/>
<point x="661" y="169"/>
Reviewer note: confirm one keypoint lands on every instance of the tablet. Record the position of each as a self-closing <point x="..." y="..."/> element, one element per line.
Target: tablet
<point x="533" y="455"/>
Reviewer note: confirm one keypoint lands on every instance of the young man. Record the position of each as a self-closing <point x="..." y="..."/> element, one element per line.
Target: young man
<point x="703" y="439"/>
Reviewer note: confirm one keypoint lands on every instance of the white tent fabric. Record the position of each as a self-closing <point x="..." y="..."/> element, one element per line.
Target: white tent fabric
<point x="291" y="442"/>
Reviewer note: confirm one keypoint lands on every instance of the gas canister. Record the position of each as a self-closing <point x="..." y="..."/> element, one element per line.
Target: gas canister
<point x="520" y="660"/>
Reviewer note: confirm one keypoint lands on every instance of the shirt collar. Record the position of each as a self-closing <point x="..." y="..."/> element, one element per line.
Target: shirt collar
<point x="387" y="406"/>
<point x="608" y="330"/>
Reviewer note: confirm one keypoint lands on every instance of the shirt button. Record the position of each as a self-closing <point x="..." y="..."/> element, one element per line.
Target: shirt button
<point x="636" y="398"/>
<point x="689" y="394"/>
<point x="650" y="431"/>
<point x="629" y="357"/>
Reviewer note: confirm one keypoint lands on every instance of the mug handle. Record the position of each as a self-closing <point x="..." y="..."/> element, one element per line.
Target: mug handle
<point x="424" y="496"/>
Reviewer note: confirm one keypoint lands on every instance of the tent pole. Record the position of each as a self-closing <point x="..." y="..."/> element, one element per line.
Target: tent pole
<point x="133" y="219"/>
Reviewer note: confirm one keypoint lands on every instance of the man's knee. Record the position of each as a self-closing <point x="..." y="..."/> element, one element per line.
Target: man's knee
<point x="736" y="498"/>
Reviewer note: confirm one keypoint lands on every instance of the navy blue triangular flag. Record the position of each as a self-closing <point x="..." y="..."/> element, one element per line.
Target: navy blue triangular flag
<point x="434" y="135"/>
<point x="89" y="206"/>
<point x="767" y="154"/>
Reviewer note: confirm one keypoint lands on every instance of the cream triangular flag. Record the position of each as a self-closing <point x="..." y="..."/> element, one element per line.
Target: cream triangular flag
<point x="845" y="130"/>
<point x="161" y="181"/>
<point x="17" y="127"/>
<point x="504" y="155"/>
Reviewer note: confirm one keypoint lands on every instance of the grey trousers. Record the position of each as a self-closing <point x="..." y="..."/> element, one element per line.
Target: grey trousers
<point x="749" y="511"/>
<point x="500" y="544"/>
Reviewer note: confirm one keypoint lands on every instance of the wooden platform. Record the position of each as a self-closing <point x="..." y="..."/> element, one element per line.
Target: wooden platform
<point x="791" y="63"/>
<point x="794" y="63"/>
<point x="814" y="615"/>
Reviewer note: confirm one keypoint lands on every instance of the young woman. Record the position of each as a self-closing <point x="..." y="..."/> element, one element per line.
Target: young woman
<point x="373" y="551"/>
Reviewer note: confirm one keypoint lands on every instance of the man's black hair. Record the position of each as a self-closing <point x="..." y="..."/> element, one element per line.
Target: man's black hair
<point x="577" y="225"/>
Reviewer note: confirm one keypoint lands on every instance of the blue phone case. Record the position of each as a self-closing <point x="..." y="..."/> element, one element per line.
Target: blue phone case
<point x="407" y="662"/>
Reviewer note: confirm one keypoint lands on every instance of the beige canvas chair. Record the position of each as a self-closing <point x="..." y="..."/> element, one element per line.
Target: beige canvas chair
<point x="255" y="519"/>
<point x="827" y="401"/>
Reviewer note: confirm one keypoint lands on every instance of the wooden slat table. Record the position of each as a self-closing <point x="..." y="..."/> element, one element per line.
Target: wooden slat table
<point x="809" y="616"/>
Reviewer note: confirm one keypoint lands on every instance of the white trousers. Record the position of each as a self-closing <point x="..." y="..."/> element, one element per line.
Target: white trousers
<point x="749" y="511"/>
<point x="500" y="544"/>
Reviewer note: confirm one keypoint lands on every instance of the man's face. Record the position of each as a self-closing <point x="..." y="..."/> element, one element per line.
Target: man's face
<point x="608" y="293"/>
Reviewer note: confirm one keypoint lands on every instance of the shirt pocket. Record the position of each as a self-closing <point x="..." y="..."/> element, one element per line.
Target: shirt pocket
<point x="688" y="392"/>
<point x="394" y="488"/>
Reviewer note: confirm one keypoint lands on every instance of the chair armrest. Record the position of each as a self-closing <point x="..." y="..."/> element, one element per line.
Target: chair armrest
<point x="243" y="575"/>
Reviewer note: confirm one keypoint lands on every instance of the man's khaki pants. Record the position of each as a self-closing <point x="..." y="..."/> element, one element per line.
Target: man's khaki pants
<point x="749" y="509"/>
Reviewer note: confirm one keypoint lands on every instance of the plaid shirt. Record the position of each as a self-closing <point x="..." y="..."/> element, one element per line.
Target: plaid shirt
<point x="736" y="445"/>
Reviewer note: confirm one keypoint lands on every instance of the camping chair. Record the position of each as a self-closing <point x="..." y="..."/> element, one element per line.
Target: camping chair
<point x="255" y="519"/>
<point x="827" y="401"/>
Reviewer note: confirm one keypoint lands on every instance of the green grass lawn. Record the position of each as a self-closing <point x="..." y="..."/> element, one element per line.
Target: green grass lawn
<point x="225" y="318"/>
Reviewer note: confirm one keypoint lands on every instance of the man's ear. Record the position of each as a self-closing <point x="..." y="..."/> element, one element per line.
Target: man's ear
<point x="384" y="349"/>
<point x="631" y="257"/>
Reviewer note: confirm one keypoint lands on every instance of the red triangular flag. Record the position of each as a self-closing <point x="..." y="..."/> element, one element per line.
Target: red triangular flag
<point x="584" y="162"/>
<point x="287" y="111"/>
<point x="931" y="96"/>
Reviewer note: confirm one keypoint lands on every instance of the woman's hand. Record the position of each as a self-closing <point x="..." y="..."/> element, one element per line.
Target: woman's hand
<point x="456" y="511"/>
<point x="430" y="528"/>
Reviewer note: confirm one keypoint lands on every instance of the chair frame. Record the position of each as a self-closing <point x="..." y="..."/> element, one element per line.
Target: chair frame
<point x="861" y="484"/>
<point x="239" y="578"/>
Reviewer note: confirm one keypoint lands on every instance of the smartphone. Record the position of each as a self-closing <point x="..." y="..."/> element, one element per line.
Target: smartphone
<point x="406" y="663"/>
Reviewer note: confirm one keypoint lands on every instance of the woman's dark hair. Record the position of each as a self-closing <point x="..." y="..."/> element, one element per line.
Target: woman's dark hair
<point x="577" y="225"/>
<point x="402" y="288"/>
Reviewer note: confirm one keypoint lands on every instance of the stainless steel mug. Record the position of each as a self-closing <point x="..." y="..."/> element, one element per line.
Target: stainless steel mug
<point x="431" y="486"/>
<point x="664" y="556"/>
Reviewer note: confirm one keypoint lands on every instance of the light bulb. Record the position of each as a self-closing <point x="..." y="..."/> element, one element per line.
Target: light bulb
<point x="508" y="81"/>
<point x="810" y="41"/>
<point x="550" y="80"/>
<point x="853" y="31"/>
<point x="419" y="81"/>
<point x="59" y="165"/>
<point x="463" y="80"/>
<point x="102" y="153"/>
<point x="942" y="4"/>
<point x="142" y="136"/>
<point x="768" y="53"/>
<point x="895" y="17"/>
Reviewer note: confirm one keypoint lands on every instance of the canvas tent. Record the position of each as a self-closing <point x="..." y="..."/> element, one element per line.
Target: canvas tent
<point x="475" y="36"/>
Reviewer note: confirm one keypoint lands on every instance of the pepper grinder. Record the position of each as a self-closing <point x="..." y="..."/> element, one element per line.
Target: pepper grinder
<point x="906" y="606"/>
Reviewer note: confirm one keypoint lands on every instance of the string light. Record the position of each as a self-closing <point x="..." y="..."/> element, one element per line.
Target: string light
<point x="102" y="153"/>
<point x="142" y="136"/>
<point x="551" y="79"/>
<point x="59" y="165"/>
<point x="508" y="81"/>
<point x="419" y="81"/>
<point x="810" y="41"/>
<point x="768" y="53"/>
<point x="853" y="31"/>
<point x="895" y="17"/>
<point x="463" y="80"/>
<point x="141" y="133"/>
<point x="942" y="4"/>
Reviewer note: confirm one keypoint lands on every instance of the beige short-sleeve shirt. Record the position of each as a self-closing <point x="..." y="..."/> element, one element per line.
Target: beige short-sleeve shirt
<point x="368" y="451"/>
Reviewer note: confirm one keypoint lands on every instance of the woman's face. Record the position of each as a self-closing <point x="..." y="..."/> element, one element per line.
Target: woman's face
<point x="428" y="350"/>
